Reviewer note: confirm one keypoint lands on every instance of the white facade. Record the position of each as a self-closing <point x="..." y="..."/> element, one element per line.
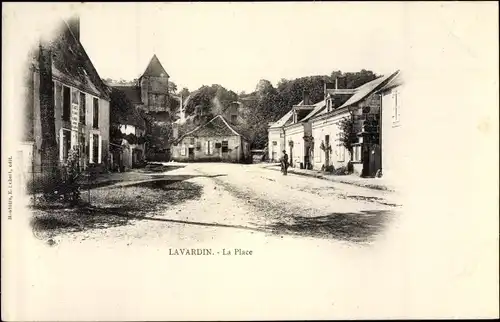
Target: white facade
<point x="276" y="143"/>
<point x="330" y="126"/>
<point x="128" y="129"/>
<point x="295" y="134"/>
<point x="392" y="131"/>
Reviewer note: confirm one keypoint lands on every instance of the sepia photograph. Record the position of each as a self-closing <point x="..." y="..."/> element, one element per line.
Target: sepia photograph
<point x="253" y="160"/>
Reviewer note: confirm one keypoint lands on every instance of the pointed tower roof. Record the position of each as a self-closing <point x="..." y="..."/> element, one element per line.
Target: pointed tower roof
<point x="155" y="68"/>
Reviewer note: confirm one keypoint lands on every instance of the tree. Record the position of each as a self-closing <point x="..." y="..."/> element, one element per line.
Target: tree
<point x="184" y="93"/>
<point x="172" y="87"/>
<point x="348" y="134"/>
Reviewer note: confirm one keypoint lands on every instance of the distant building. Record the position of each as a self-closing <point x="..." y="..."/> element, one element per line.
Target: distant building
<point x="219" y="140"/>
<point x="81" y="103"/>
<point x="294" y="130"/>
<point x="151" y="95"/>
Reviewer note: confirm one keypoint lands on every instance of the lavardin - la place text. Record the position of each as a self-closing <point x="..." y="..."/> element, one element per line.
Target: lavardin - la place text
<point x="208" y="251"/>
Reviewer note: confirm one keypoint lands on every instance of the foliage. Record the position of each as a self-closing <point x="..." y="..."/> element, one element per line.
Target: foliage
<point x="123" y="111"/>
<point x="347" y="134"/>
<point x="66" y="186"/>
<point x="208" y="101"/>
<point x="184" y="92"/>
<point x="325" y="148"/>
<point x="159" y="135"/>
<point x="266" y="104"/>
<point x="172" y="87"/>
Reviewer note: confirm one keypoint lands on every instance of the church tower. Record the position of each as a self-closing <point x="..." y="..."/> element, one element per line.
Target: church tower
<point x="154" y="87"/>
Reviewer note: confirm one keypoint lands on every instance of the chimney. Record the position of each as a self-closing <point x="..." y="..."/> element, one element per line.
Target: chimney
<point x="74" y="26"/>
<point x="306" y="97"/>
<point x="327" y="85"/>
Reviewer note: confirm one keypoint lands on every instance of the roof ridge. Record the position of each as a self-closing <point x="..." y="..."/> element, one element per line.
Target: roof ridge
<point x="80" y="45"/>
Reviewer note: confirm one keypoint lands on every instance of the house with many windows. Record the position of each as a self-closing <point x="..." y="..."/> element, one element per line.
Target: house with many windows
<point x="362" y="106"/>
<point x="80" y="98"/>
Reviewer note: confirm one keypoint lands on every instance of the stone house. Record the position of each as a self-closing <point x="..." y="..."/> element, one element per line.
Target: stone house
<point x="218" y="140"/>
<point x="81" y="103"/>
<point x="391" y="133"/>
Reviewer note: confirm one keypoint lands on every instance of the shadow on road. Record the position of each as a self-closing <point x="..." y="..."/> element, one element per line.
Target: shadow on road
<point x="113" y="206"/>
<point x="355" y="227"/>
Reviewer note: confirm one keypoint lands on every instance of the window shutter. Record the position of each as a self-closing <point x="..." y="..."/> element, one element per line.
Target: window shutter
<point x="211" y="147"/>
<point x="206" y="146"/>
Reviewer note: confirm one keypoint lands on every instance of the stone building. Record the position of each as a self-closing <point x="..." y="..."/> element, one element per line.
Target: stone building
<point x="80" y="100"/>
<point x="221" y="139"/>
<point x="151" y="95"/>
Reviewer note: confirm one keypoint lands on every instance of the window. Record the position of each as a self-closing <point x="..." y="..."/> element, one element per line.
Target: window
<point x="224" y="146"/>
<point x="396" y="107"/>
<point x="234" y="118"/>
<point x="95" y="122"/>
<point x="82" y="108"/>
<point x="275" y="143"/>
<point x="66" y="103"/>
<point x="191" y="141"/>
<point x="95" y="148"/>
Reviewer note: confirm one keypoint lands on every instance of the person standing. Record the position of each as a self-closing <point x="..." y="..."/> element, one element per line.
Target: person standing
<point x="284" y="163"/>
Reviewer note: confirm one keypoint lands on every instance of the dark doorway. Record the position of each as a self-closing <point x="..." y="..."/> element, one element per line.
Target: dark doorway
<point x="371" y="160"/>
<point x="191" y="154"/>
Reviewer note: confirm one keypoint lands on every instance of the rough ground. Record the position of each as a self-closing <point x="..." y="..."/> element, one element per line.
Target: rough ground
<point x="201" y="202"/>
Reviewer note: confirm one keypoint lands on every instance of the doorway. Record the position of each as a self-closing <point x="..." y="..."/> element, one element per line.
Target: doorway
<point x="191" y="154"/>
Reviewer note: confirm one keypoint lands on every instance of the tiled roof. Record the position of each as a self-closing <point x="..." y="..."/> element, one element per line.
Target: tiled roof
<point x="71" y="64"/>
<point x="317" y="108"/>
<point x="282" y="121"/>
<point x="366" y="89"/>
<point x="397" y="80"/>
<point x="155" y="68"/>
<point x="286" y="118"/>
<point x="217" y="126"/>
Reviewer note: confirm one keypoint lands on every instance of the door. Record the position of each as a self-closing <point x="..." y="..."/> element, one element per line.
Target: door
<point x="191" y="154"/>
<point x="327" y="150"/>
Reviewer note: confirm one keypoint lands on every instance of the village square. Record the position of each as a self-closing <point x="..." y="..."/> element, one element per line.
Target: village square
<point x="100" y="158"/>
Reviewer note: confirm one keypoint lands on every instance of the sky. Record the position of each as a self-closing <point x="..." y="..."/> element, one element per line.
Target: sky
<point x="237" y="44"/>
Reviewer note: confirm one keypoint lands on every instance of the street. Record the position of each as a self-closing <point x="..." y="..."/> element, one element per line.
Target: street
<point x="208" y="200"/>
<point x="297" y="229"/>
